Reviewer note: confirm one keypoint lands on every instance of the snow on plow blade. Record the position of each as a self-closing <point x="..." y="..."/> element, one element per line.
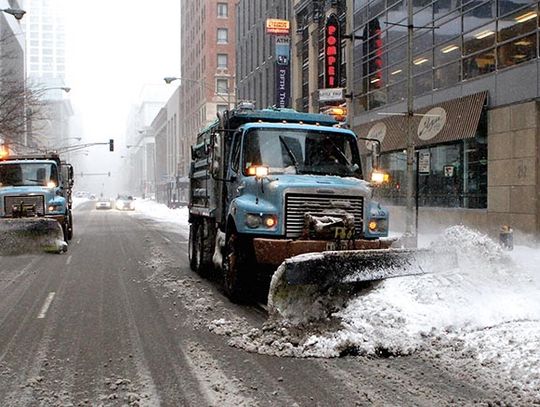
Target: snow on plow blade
<point x="328" y="268"/>
<point x="31" y="235"/>
<point x="309" y="287"/>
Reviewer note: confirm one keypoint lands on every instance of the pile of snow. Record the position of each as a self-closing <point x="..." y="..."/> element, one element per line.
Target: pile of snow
<point x="162" y="213"/>
<point x="78" y="201"/>
<point x="485" y="307"/>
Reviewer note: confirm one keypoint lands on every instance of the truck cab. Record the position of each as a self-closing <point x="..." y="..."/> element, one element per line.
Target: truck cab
<point x="36" y="186"/>
<point x="266" y="185"/>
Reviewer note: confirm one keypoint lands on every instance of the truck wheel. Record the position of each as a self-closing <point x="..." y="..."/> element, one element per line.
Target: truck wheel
<point x="238" y="279"/>
<point x="70" y="227"/>
<point x="193" y="247"/>
<point x="200" y="248"/>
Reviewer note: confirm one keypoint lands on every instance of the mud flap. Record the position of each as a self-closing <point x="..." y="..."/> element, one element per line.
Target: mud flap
<point x="31" y="235"/>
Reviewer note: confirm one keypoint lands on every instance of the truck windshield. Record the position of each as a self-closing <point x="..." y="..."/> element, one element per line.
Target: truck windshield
<point x="28" y="174"/>
<point x="302" y="152"/>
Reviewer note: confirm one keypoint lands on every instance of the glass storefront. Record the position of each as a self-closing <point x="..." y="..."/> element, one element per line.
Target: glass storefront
<point x="460" y="40"/>
<point x="452" y="175"/>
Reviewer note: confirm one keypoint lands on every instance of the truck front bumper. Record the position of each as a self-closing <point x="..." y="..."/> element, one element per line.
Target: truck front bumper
<point x="275" y="251"/>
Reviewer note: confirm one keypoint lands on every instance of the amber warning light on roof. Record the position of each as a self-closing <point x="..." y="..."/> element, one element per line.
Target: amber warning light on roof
<point x="275" y="26"/>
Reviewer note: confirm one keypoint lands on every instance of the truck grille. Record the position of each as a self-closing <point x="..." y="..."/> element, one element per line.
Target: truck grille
<point x="296" y="205"/>
<point x="27" y="200"/>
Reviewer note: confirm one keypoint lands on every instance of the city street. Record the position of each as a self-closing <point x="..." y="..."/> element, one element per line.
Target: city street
<point x="120" y="319"/>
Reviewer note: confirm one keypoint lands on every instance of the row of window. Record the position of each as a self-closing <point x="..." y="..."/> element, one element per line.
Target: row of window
<point x="46" y="51"/>
<point x="47" y="43"/>
<point x="478" y="38"/>
<point x="47" y="59"/>
<point x="449" y="175"/>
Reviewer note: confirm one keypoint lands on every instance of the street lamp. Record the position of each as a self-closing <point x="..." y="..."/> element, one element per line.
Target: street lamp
<point x="169" y="79"/>
<point x="15" y="12"/>
<point x="66" y="89"/>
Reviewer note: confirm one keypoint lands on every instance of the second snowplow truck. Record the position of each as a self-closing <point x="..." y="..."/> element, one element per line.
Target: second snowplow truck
<point x="269" y="185"/>
<point x="35" y="203"/>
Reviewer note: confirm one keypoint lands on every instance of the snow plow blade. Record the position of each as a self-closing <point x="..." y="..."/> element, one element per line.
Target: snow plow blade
<point x="31" y="235"/>
<point x="310" y="287"/>
<point x="334" y="267"/>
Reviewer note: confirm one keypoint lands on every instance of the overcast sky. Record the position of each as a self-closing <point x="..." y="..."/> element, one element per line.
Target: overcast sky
<point x="114" y="47"/>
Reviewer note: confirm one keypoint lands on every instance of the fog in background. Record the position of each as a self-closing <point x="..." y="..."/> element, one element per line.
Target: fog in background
<point x="113" y="49"/>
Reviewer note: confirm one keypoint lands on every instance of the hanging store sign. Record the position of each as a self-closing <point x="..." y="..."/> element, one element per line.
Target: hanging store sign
<point x="283" y="86"/>
<point x="283" y="74"/>
<point x="275" y="26"/>
<point x="332" y="52"/>
<point x="331" y="95"/>
<point x="432" y="123"/>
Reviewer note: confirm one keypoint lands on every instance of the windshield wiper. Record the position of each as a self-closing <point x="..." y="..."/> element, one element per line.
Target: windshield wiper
<point x="291" y="154"/>
<point x="341" y="153"/>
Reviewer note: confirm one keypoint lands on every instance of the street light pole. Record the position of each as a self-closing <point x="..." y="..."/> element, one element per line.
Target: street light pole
<point x="411" y="237"/>
<point x="203" y="84"/>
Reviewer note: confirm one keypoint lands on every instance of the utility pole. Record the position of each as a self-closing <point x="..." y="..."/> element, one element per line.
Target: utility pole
<point x="411" y="236"/>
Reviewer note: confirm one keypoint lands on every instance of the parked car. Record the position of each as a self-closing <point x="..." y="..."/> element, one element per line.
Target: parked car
<point x="125" y="203"/>
<point x="104" y="203"/>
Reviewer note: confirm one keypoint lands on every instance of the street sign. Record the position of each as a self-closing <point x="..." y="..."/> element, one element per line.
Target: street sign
<point x="448" y="170"/>
<point x="424" y="162"/>
<point x="331" y="95"/>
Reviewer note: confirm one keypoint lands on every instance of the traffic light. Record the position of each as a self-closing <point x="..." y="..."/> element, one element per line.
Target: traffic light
<point x="111" y="145"/>
<point x="109" y="173"/>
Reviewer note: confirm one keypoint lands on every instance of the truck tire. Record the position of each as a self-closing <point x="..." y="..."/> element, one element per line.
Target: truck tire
<point x="238" y="276"/>
<point x="70" y="226"/>
<point x="200" y="248"/>
<point x="193" y="251"/>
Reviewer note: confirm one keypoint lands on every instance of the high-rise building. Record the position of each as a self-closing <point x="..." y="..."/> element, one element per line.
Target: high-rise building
<point x="256" y="63"/>
<point x="45" y="69"/>
<point x="46" y="42"/>
<point x="12" y="96"/>
<point x="207" y="67"/>
<point x="468" y="116"/>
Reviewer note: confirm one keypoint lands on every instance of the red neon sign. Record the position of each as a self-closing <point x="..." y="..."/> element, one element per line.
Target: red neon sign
<point x="332" y="52"/>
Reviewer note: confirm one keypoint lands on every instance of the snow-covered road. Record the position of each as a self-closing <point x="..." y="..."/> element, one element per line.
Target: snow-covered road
<point x="482" y="315"/>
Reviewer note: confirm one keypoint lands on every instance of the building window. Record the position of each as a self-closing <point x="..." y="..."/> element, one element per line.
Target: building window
<point x="456" y="177"/>
<point x="222" y="10"/>
<point x="222" y="86"/>
<point x="222" y="36"/>
<point x="222" y="61"/>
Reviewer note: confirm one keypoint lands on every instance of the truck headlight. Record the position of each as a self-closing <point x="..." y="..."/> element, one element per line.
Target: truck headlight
<point x="54" y="207"/>
<point x="253" y="221"/>
<point x="377" y="225"/>
<point x="270" y="221"/>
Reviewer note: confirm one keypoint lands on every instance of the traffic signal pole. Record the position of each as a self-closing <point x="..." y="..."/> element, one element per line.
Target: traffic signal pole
<point x="76" y="147"/>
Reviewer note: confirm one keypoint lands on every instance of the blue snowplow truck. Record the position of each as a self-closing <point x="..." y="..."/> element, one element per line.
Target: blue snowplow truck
<point x="277" y="187"/>
<point x="35" y="204"/>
